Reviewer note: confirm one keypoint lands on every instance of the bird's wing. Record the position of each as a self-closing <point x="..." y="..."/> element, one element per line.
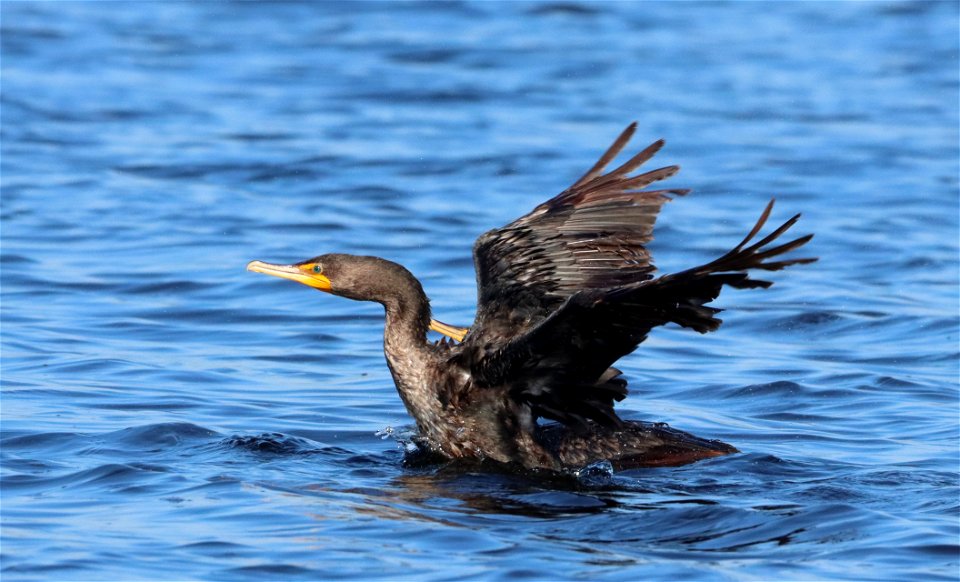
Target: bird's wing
<point x="590" y="236"/>
<point x="561" y="366"/>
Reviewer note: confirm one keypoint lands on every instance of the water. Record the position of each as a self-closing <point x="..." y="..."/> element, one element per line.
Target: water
<point x="167" y="415"/>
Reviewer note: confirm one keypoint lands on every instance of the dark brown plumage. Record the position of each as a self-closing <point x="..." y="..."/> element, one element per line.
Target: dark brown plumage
<point x="563" y="293"/>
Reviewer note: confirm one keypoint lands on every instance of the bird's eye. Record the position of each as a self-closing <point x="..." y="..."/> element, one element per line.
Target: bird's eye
<point x="317" y="269"/>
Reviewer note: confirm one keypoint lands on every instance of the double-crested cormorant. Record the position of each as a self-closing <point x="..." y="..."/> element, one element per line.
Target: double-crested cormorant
<point x="563" y="293"/>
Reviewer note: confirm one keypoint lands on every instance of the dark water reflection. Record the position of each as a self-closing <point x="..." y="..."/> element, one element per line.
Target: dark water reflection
<point x="166" y="415"/>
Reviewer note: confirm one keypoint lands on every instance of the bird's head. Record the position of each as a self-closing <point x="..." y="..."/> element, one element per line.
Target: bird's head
<point x="351" y="276"/>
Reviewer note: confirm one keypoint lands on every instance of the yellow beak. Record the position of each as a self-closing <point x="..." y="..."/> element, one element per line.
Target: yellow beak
<point x="292" y="272"/>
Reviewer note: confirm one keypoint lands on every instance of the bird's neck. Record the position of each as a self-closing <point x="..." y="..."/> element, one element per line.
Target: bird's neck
<point x="408" y="318"/>
<point x="406" y="305"/>
<point x="408" y="356"/>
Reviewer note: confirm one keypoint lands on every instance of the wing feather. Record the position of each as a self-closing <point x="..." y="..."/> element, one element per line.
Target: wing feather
<point x="590" y="236"/>
<point x="559" y="366"/>
<point x="612" y="152"/>
<point x="568" y="289"/>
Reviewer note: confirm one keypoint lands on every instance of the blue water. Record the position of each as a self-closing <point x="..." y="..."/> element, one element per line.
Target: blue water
<point x="167" y="415"/>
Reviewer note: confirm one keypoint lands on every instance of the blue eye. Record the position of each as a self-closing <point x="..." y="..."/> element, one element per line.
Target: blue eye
<point x="317" y="269"/>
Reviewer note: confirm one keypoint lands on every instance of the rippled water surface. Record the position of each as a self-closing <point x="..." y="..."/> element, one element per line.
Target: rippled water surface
<point x="166" y="415"/>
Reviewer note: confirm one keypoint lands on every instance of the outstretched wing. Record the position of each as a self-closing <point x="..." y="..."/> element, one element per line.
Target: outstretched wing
<point x="588" y="237"/>
<point x="561" y="367"/>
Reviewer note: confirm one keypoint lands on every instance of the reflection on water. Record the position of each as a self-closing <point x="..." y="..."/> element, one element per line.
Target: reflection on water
<point x="168" y="416"/>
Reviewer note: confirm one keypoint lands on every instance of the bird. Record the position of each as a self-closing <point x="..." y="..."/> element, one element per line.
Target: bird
<point x="563" y="293"/>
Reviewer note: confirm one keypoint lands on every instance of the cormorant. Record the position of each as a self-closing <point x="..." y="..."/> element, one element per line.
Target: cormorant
<point x="563" y="293"/>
